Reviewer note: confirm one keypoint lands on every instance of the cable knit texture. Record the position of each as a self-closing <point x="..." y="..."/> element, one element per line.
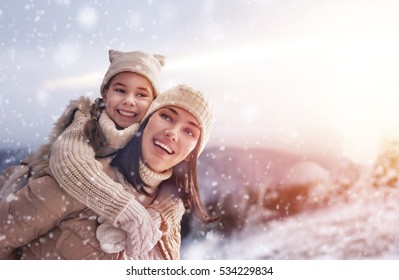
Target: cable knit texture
<point x="79" y="174"/>
<point x="167" y="210"/>
<point x="62" y="228"/>
<point x="139" y="238"/>
<point x="116" y="139"/>
<point x="152" y="178"/>
<point x="73" y="165"/>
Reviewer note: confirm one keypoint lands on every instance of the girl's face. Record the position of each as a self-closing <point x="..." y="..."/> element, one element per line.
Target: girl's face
<point x="170" y="136"/>
<point x="128" y="97"/>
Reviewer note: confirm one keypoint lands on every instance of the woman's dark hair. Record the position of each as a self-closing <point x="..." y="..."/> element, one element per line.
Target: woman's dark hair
<point x="127" y="161"/>
<point x="186" y="179"/>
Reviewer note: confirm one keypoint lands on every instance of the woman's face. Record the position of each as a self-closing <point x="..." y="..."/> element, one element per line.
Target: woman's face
<point x="127" y="99"/>
<point x="170" y="136"/>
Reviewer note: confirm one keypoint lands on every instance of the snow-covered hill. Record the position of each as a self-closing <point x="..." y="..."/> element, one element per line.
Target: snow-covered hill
<point x="365" y="227"/>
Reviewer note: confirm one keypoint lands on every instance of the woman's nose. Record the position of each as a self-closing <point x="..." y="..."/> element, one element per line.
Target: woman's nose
<point x="171" y="133"/>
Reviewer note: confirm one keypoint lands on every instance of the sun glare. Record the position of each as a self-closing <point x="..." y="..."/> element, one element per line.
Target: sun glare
<point x="351" y="75"/>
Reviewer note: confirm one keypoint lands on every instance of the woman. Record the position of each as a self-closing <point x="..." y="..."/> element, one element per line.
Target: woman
<point x="86" y="131"/>
<point x="43" y="222"/>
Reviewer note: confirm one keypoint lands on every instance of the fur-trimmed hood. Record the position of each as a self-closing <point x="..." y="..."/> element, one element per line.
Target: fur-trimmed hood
<point x="36" y="164"/>
<point x="39" y="160"/>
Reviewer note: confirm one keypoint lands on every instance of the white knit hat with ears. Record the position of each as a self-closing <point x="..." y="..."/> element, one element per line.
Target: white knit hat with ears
<point x="139" y="62"/>
<point x="191" y="100"/>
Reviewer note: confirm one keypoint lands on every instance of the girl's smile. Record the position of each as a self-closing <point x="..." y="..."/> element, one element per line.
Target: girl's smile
<point x="128" y="98"/>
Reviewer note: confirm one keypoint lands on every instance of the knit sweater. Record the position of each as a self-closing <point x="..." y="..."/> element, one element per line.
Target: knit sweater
<point x="170" y="207"/>
<point x="106" y="197"/>
<point x="75" y="168"/>
<point x="44" y="222"/>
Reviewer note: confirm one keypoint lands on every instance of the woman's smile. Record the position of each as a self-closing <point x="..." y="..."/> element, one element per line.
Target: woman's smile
<point x="163" y="146"/>
<point x="170" y="136"/>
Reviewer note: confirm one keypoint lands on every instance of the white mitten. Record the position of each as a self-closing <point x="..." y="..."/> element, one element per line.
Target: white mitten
<point x="111" y="239"/>
<point x="141" y="238"/>
<point x="134" y="238"/>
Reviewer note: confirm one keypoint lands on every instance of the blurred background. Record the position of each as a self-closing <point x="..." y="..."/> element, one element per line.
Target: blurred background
<point x="303" y="160"/>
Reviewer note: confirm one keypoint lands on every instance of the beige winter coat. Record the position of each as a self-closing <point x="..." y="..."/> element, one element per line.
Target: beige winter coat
<point x="170" y="209"/>
<point x="42" y="221"/>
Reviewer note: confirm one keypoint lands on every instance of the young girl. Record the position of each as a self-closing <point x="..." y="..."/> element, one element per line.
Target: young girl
<point x="48" y="224"/>
<point x="83" y="133"/>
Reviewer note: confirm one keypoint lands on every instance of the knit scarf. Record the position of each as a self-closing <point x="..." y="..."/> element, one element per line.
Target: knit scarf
<point x="150" y="178"/>
<point x="116" y="138"/>
<point x="119" y="138"/>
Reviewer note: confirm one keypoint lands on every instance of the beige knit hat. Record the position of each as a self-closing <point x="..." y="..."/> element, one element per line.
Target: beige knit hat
<point x="138" y="62"/>
<point x="192" y="100"/>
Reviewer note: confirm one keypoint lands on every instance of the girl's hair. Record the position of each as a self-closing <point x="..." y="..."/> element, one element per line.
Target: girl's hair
<point x="127" y="161"/>
<point x="92" y="127"/>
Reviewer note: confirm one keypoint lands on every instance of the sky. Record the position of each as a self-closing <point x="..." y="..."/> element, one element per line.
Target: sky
<point x="310" y="77"/>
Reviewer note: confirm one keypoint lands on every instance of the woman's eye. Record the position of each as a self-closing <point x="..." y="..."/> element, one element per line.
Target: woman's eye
<point x="189" y="132"/>
<point x="166" y="117"/>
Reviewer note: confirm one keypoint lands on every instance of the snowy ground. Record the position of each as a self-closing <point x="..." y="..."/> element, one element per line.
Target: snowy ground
<point x="365" y="227"/>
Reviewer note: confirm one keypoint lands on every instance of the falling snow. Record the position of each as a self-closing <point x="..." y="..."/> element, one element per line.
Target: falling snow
<point x="315" y="214"/>
<point x="303" y="102"/>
